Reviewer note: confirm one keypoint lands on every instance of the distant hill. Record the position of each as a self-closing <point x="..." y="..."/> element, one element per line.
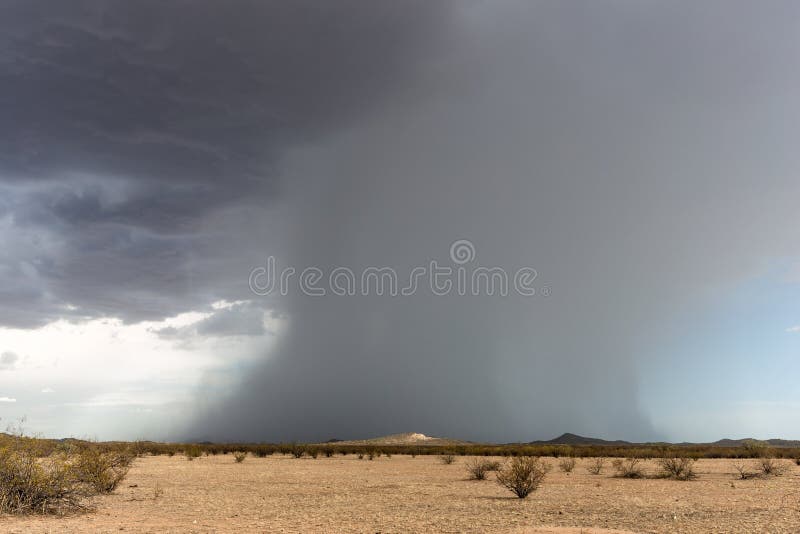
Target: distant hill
<point x="415" y="438"/>
<point x="739" y="442"/>
<point x="576" y="440"/>
<point x="408" y="438"/>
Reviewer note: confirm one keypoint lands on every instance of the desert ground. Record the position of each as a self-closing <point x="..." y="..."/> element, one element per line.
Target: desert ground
<point x="404" y="494"/>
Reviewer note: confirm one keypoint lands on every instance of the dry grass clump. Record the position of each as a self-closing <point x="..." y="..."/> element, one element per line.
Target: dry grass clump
<point x="596" y="466"/>
<point x="523" y="475"/>
<point x="239" y="456"/>
<point x="479" y="468"/>
<point x="567" y="464"/>
<point x="769" y="466"/>
<point x="677" y="468"/>
<point x="447" y="458"/>
<point x="628" y="467"/>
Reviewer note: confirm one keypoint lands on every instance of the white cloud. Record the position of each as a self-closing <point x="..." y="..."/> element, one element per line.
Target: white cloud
<point x="8" y="360"/>
<point x="91" y="375"/>
<point x="794" y="329"/>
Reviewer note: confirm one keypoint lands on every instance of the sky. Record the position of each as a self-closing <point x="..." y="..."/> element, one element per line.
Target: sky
<point x="607" y="190"/>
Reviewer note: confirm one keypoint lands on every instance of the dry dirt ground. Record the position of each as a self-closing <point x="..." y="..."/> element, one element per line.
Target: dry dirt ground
<point x="404" y="494"/>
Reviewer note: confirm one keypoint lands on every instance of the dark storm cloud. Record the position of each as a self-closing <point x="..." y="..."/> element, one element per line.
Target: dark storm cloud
<point x="126" y="127"/>
<point x="617" y="147"/>
<point x="191" y="93"/>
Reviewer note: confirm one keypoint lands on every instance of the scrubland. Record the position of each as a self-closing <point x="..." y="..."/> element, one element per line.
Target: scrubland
<point x="325" y="488"/>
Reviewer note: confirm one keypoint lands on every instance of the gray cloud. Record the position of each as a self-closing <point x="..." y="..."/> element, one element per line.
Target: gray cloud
<point x="135" y="137"/>
<point x="239" y="319"/>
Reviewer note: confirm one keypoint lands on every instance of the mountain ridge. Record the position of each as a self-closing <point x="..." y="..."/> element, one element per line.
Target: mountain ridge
<point x="574" y="439"/>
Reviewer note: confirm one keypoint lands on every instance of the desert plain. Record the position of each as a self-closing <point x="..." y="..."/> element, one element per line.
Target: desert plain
<point x="403" y="494"/>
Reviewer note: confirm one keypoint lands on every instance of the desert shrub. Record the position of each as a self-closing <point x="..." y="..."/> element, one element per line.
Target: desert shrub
<point x="743" y="471"/>
<point x="192" y="451"/>
<point x="261" y="452"/>
<point x="138" y="448"/>
<point x="313" y="452"/>
<point x="297" y="451"/>
<point x="493" y="465"/>
<point x="478" y="468"/>
<point x="360" y="455"/>
<point x="596" y="465"/>
<point x="677" y="468"/>
<point x="30" y="485"/>
<point x="101" y="470"/>
<point x="797" y="461"/>
<point x="522" y="475"/>
<point x="769" y="466"/>
<point x="447" y="459"/>
<point x="328" y="452"/>
<point x="567" y="464"/>
<point x="239" y="456"/>
<point x="628" y="467"/>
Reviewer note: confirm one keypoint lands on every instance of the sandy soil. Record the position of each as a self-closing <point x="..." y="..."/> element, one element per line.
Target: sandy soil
<point x="403" y="494"/>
